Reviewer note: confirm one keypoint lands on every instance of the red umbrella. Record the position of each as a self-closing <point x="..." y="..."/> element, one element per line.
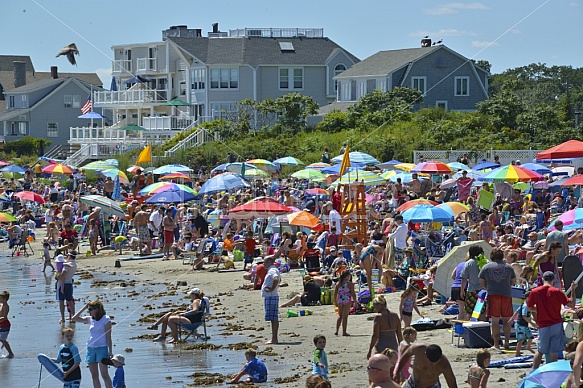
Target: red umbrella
<point x="421" y="201"/>
<point x="30" y="196"/>
<point x="259" y="208"/>
<point x="432" y="167"/>
<point x="575" y="180"/>
<point x="568" y="149"/>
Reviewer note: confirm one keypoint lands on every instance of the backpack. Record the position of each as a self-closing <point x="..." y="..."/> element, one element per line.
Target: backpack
<point x="363" y="297"/>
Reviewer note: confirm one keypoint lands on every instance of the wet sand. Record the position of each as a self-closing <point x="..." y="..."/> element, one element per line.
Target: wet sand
<point x="143" y="287"/>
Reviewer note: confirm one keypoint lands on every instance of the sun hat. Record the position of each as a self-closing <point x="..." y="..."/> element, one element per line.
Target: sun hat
<point x="194" y="291"/>
<point x="73" y="254"/>
<point x="60" y="259"/>
<point x="119" y="358"/>
<point x="332" y="248"/>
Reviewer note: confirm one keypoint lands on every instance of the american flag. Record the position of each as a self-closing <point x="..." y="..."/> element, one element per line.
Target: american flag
<point x="86" y="108"/>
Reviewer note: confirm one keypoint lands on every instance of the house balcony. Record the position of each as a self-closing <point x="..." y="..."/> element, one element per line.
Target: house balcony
<point x="121" y="66"/>
<point x="111" y="136"/>
<point x="165" y="123"/>
<point x="129" y="97"/>
<point x="147" y="65"/>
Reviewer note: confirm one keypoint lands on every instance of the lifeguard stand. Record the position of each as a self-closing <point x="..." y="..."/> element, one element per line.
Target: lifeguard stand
<point x="353" y="213"/>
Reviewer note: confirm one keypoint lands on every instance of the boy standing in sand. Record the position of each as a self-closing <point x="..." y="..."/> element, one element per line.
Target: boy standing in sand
<point x="320" y="361"/>
<point x="70" y="359"/>
<point x="4" y="322"/>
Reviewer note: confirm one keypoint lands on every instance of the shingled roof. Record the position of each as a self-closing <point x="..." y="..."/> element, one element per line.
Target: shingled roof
<point x="385" y="62"/>
<point x="7" y="62"/>
<point x="257" y="51"/>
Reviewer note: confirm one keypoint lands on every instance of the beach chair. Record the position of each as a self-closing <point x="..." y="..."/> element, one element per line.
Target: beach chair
<point x="312" y="260"/>
<point x="20" y="246"/>
<point x="191" y="329"/>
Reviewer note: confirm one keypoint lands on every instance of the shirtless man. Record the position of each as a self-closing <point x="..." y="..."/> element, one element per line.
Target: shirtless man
<point x="65" y="277"/>
<point x="141" y="220"/>
<point x="415" y="184"/>
<point x="428" y="365"/>
<point x="379" y="372"/>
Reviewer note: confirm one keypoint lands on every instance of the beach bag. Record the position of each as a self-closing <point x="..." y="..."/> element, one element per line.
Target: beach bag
<point x="452" y="310"/>
<point x="363" y="297"/>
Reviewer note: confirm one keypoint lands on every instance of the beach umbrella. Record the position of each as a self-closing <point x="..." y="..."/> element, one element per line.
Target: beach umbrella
<point x="563" y="170"/>
<point x="548" y="375"/>
<point x="137" y="79"/>
<point x="223" y="182"/>
<point x="458" y="166"/>
<point x="29" y="196"/>
<point x="568" y="219"/>
<point x="426" y="213"/>
<point x="5" y="217"/>
<point x="522" y="186"/>
<point x="58" y="169"/>
<point x="369" y="178"/>
<point x="289" y="161"/>
<point x="406" y="177"/>
<point x="308" y="174"/>
<point x="388" y="165"/>
<point x="261" y="207"/>
<point x="134" y="169"/>
<point x="278" y="224"/>
<point x="540" y="185"/>
<point x="256" y="173"/>
<point x="220" y="168"/>
<point x="469" y="173"/>
<point x="115" y="173"/>
<point x="512" y="173"/>
<point x="432" y="167"/>
<point x="317" y="191"/>
<point x="454" y="208"/>
<point x="575" y="180"/>
<point x="239" y="167"/>
<point x="13" y="168"/>
<point x="485" y="166"/>
<point x="160" y="187"/>
<point x="407" y="167"/>
<point x="445" y="266"/>
<point x="543" y="170"/>
<point x="317" y="166"/>
<point x="99" y="165"/>
<point x="414" y="202"/>
<point x="3" y="198"/>
<point x="171" y="168"/>
<point x="171" y="196"/>
<point x="264" y="165"/>
<point x="91" y="115"/>
<point x="357" y="157"/>
<point x="448" y="183"/>
<point x="568" y="149"/>
<point x="176" y="175"/>
<point x="3" y="163"/>
<point x="176" y="102"/>
<point x="107" y="205"/>
<point x="303" y="218"/>
<point x="335" y="169"/>
<point x="387" y="174"/>
<point x="116" y="194"/>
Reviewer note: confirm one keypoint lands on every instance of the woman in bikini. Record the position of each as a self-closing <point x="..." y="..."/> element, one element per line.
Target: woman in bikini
<point x="370" y="258"/>
<point x="386" y="332"/>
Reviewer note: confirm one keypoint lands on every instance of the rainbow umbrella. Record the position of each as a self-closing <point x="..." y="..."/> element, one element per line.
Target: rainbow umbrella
<point x="264" y="165"/>
<point x="414" y="202"/>
<point x="176" y="175"/>
<point x="160" y="187"/>
<point x="454" y="208"/>
<point x="369" y="178"/>
<point x="5" y="217"/>
<point x="113" y="173"/>
<point x="387" y="174"/>
<point x="432" y="167"/>
<point x="59" y="168"/>
<point x="512" y="173"/>
<point x="317" y="166"/>
<point x="307" y="173"/>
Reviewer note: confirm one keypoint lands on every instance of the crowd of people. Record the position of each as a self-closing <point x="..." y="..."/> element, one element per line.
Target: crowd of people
<point x="525" y="254"/>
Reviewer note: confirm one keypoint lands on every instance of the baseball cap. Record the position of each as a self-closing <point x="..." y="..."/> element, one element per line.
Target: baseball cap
<point x="194" y="291"/>
<point x="119" y="358"/>
<point x="549" y="275"/>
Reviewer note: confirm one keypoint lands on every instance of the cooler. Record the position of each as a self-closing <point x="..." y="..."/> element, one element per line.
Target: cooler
<point x="477" y="335"/>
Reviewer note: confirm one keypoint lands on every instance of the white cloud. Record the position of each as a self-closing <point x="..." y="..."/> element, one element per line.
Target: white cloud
<point x="484" y="43"/>
<point x="515" y="31"/>
<point x="104" y="74"/>
<point x="449" y="8"/>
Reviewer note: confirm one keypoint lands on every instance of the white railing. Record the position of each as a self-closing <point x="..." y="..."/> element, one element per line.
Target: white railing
<point x="121" y="65"/>
<point x="80" y="135"/>
<point x="129" y="97"/>
<point x="147" y="64"/>
<point x="277" y="32"/>
<point x="505" y="156"/>
<point x="54" y="152"/>
<point x="173" y="123"/>
<point x="78" y="157"/>
<point x="195" y="139"/>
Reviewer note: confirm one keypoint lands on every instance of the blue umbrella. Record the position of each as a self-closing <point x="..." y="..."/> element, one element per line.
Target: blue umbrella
<point x="357" y="157"/>
<point x="388" y="165"/>
<point x="171" y="168"/>
<point x="90" y="115"/>
<point x="405" y="177"/>
<point x="116" y="195"/>
<point x="537" y="168"/>
<point x="239" y="168"/>
<point x="426" y="213"/>
<point x="171" y="196"/>
<point x="220" y="168"/>
<point x="549" y="375"/>
<point x="113" y="86"/>
<point x="223" y="182"/>
<point x="485" y="166"/>
<point x="470" y="174"/>
<point x="13" y="168"/>
<point x="458" y="166"/>
<point x="137" y="79"/>
<point x="289" y="161"/>
<point x="335" y="169"/>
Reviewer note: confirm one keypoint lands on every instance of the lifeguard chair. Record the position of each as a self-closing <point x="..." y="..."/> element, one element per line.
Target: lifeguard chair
<point x="353" y="213"/>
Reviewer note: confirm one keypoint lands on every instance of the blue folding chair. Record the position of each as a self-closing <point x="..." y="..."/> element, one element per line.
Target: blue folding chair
<point x="191" y="329"/>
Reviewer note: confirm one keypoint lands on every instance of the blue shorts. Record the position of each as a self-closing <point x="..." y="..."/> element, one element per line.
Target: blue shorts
<point x="72" y="384"/>
<point x="67" y="292"/>
<point x="96" y="354"/>
<point x="271" y="305"/>
<point x="551" y="339"/>
<point x="523" y="333"/>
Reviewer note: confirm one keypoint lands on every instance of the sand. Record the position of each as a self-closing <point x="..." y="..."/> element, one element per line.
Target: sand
<point x="290" y="358"/>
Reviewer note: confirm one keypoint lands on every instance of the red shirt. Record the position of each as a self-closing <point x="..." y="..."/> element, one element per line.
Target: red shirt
<point x="548" y="301"/>
<point x="260" y="273"/>
<point x="70" y="235"/>
<point x="250" y="244"/>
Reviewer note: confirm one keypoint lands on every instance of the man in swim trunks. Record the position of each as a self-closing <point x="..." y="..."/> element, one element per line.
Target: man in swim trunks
<point x="429" y="364"/>
<point x="141" y="221"/>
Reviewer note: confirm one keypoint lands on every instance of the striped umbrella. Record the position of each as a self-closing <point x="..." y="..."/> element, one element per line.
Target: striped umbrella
<point x="115" y="173"/>
<point x="58" y="169"/>
<point x="317" y="166"/>
<point x="134" y="169"/>
<point x="264" y="165"/>
<point x="176" y="175"/>
<point x="414" y="202"/>
<point x="160" y="187"/>
<point x="512" y="173"/>
<point x="432" y="167"/>
<point x="388" y="174"/>
<point x="99" y="165"/>
<point x="357" y="157"/>
<point x="369" y="178"/>
<point x="308" y="174"/>
<point x="454" y="208"/>
<point x="5" y="217"/>
<point x="107" y="205"/>
<point x="289" y="161"/>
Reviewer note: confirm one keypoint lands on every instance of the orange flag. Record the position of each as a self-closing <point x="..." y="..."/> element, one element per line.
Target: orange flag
<point x="345" y="161"/>
<point x="145" y="155"/>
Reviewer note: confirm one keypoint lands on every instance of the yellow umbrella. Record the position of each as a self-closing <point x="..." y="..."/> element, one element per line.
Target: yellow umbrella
<point x="407" y="167"/>
<point x="455" y="208"/>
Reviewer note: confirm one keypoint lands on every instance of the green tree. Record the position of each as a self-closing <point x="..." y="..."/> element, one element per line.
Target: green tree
<point x="28" y="145"/>
<point x="294" y="109"/>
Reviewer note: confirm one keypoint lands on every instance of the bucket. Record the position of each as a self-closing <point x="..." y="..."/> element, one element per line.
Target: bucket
<point x="302" y="313"/>
<point x="291" y="314"/>
<point x="309" y="312"/>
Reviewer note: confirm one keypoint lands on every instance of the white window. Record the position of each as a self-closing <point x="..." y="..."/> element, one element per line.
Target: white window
<point x="23" y="99"/>
<point x="11" y="102"/>
<point x="52" y="130"/>
<point x="22" y="127"/>
<point x="462" y="86"/>
<point x="77" y="101"/>
<point x="197" y="77"/>
<point x="291" y="78"/>
<point x="419" y="83"/>
<point x="442" y="104"/>
<point x="68" y="100"/>
<point x="225" y="78"/>
<point x="338" y="69"/>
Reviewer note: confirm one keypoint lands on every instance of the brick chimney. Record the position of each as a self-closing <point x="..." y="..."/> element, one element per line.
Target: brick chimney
<point x="19" y="73"/>
<point x="54" y="72"/>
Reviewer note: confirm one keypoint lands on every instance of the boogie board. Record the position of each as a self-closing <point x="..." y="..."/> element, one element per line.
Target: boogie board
<point x="154" y="256"/>
<point x="513" y="360"/>
<point x="571" y="269"/>
<point x="51" y="367"/>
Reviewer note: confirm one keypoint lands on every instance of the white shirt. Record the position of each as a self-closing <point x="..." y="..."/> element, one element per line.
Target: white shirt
<point x="335" y="221"/>
<point x="156" y="219"/>
<point x="272" y="274"/>
<point x="400" y="236"/>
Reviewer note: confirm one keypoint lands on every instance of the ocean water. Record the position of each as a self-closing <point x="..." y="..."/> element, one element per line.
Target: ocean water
<point x="34" y="314"/>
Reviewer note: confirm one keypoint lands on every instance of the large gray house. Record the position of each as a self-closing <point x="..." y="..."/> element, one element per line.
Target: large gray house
<point x="446" y="78"/>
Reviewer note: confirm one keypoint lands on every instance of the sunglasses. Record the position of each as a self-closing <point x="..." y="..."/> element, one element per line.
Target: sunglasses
<point x="369" y="368"/>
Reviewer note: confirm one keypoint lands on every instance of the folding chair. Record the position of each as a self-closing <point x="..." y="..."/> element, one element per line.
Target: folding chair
<point x="312" y="260"/>
<point x="20" y="246"/>
<point x="192" y="328"/>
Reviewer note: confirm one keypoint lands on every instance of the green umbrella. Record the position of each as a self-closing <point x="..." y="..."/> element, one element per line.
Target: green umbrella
<point x="369" y="178"/>
<point x="308" y="174"/>
<point x="176" y="102"/>
<point x="98" y="165"/>
<point x="132" y="127"/>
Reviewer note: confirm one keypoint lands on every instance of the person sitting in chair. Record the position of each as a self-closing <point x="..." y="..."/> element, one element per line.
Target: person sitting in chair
<point x="14" y="233"/>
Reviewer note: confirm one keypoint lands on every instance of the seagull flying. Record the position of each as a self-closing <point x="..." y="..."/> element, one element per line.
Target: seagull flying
<point x="70" y="52"/>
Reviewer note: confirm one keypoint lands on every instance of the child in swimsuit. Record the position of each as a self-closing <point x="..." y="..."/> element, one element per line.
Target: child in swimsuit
<point x="479" y="373"/>
<point x="408" y="303"/>
<point x="409" y="336"/>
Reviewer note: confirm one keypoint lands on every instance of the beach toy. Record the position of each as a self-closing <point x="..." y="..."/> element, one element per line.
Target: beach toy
<point x="518" y="365"/>
<point x="51" y="367"/>
<point x="298" y="304"/>
<point x="291" y="314"/>
<point x="302" y="313"/>
<point x="309" y="312"/>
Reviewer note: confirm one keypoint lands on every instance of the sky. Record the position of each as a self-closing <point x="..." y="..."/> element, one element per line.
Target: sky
<point x="507" y="33"/>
